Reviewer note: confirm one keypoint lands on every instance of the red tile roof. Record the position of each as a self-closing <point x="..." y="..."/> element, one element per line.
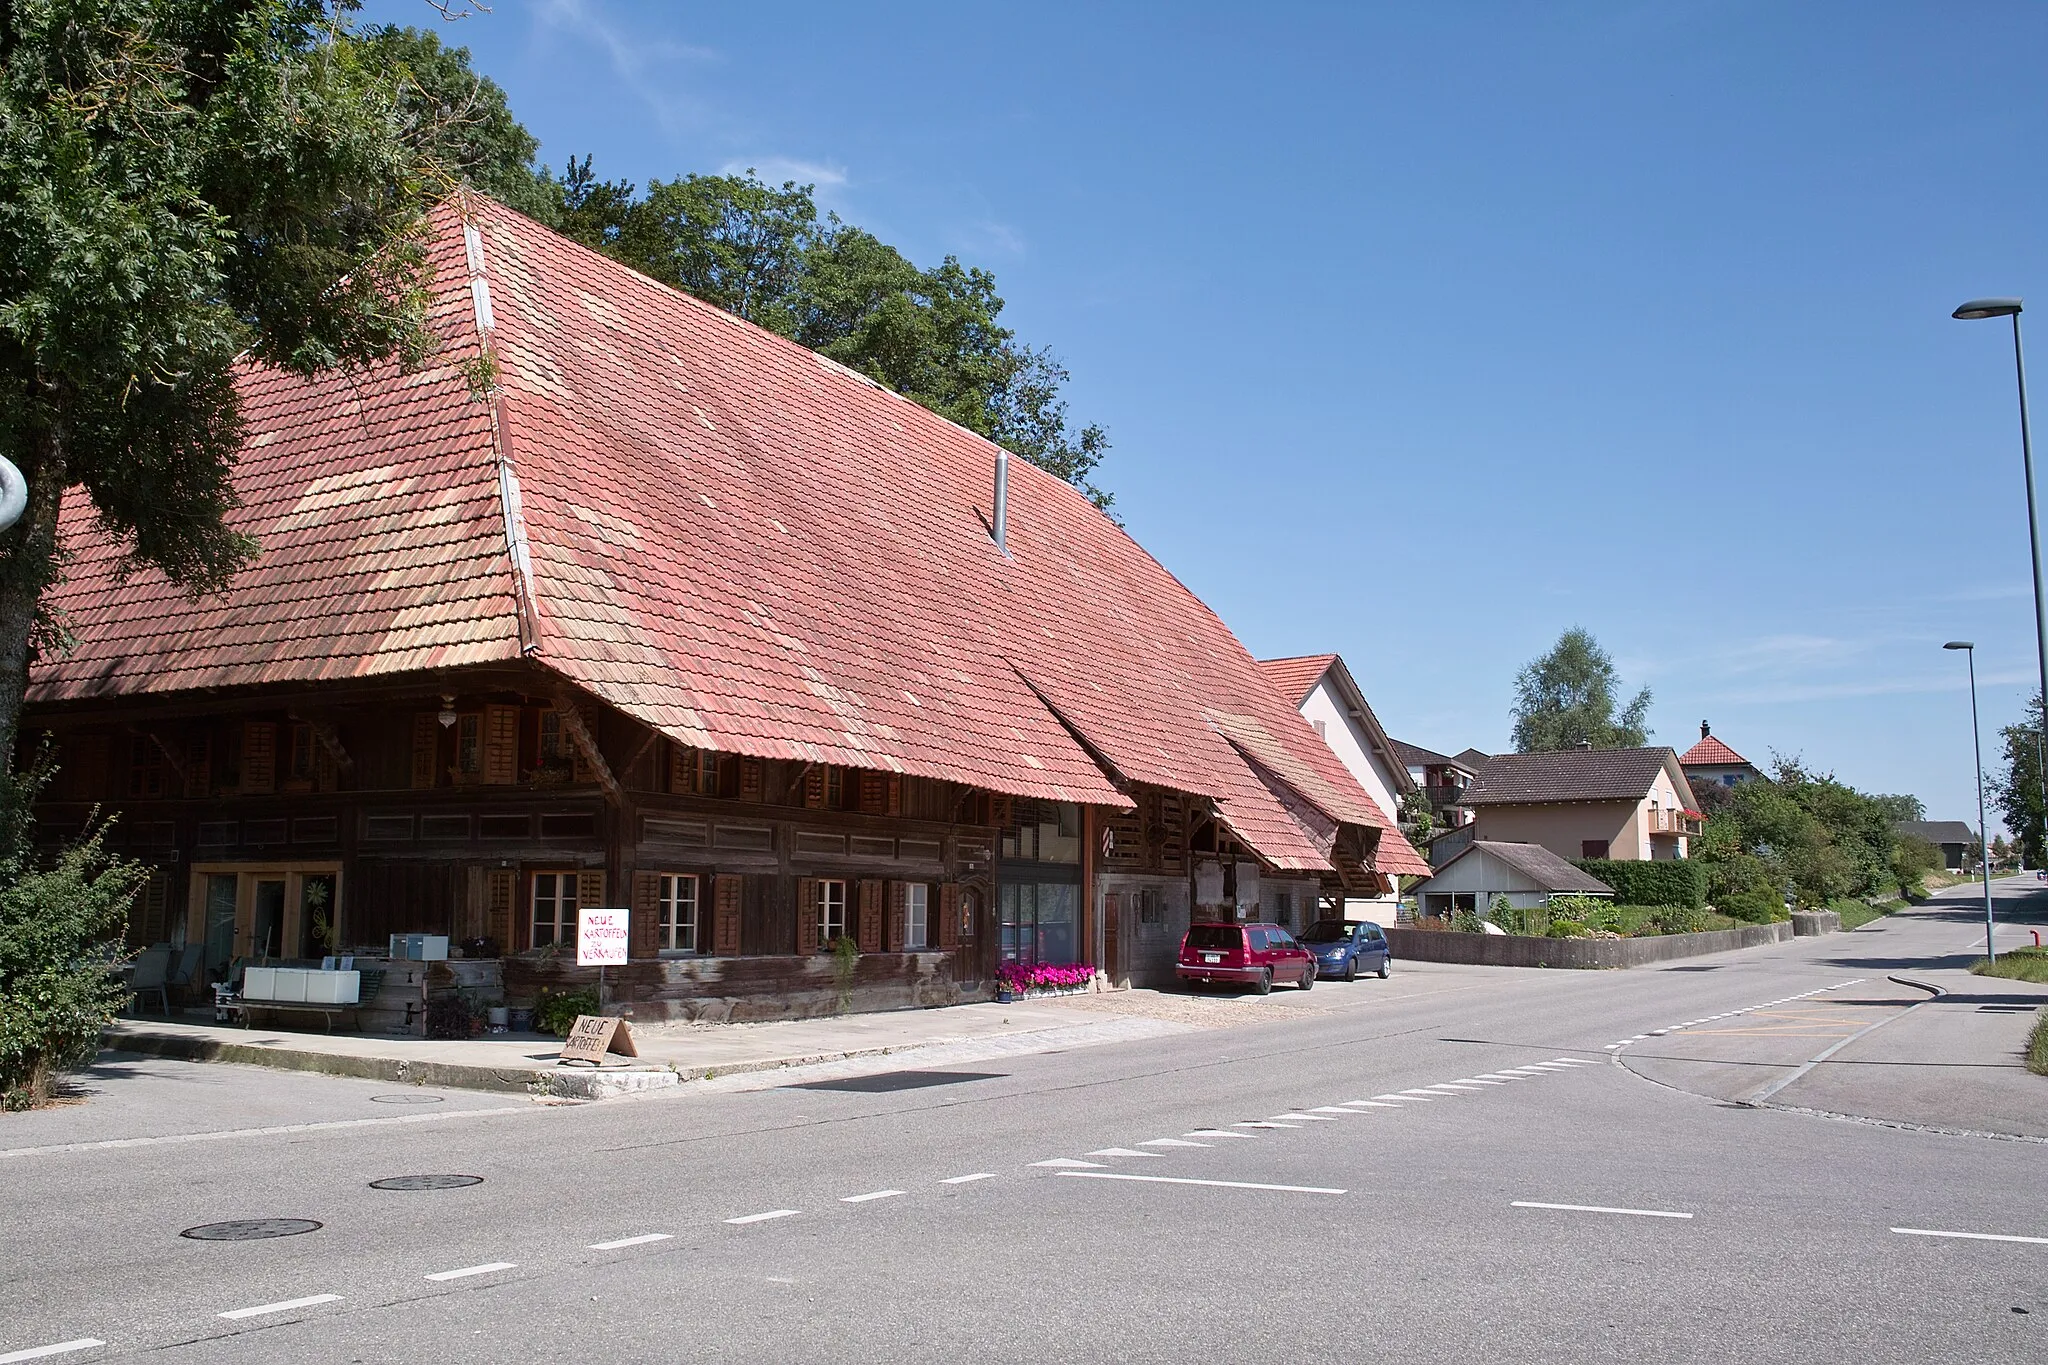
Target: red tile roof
<point x="1298" y="676"/>
<point x="1711" y="753"/>
<point x="736" y="541"/>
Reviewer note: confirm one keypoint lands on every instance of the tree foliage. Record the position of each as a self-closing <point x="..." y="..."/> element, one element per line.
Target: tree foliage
<point x="2017" y="789"/>
<point x="1566" y="699"/>
<point x="1806" y="834"/>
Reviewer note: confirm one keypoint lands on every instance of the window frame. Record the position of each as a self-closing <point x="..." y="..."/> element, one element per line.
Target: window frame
<point x="561" y="932"/>
<point x="917" y="917"/>
<point x="469" y="733"/>
<point x="827" y="887"/>
<point x="669" y="924"/>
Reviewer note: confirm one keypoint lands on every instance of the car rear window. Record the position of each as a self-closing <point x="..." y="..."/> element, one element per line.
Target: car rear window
<point x="1213" y="936"/>
<point x="1327" y="931"/>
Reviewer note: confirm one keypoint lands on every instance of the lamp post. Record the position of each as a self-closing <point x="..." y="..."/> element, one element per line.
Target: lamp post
<point x="1977" y="310"/>
<point x="1977" y="748"/>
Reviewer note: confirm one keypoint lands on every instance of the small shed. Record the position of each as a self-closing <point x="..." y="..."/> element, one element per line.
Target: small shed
<point x="1527" y="874"/>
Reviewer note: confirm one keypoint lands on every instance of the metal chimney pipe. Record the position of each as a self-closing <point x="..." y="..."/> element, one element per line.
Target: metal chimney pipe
<point x="1002" y="517"/>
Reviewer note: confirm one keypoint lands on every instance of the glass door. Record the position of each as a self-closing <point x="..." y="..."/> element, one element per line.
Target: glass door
<point x="220" y="924"/>
<point x="266" y="936"/>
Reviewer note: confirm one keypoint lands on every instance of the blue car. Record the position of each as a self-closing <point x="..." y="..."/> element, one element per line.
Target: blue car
<point x="1344" y="948"/>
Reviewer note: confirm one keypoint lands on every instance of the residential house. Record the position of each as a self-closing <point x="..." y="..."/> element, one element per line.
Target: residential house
<point x="1329" y="698"/>
<point x="618" y="600"/>
<point x="1954" y="839"/>
<point x="1527" y="874"/>
<point x="1442" y="779"/>
<point x="1710" y="763"/>
<point x="1587" y="803"/>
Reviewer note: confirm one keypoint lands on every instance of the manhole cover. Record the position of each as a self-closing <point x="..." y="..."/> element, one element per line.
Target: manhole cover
<point x="250" y="1229"/>
<point x="407" y="1099"/>
<point x="426" y="1182"/>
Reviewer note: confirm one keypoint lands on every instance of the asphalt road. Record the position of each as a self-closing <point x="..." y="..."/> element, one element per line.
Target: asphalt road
<point x="1474" y="1164"/>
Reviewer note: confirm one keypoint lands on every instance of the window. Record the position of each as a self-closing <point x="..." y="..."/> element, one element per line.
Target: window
<point x="1038" y="921"/>
<point x="835" y="788"/>
<point x="1283" y="908"/>
<point x="707" y="773"/>
<point x="553" y="753"/>
<point x="554" y="908"/>
<point x="1593" y="848"/>
<point x="831" y="911"/>
<point x="145" y="768"/>
<point x="302" y="753"/>
<point x="1043" y="832"/>
<point x="916" y="916"/>
<point x="469" y="745"/>
<point x="679" y="914"/>
<point x="1255" y="939"/>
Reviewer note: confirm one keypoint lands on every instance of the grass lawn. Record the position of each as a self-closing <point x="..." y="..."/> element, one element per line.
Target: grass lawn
<point x="2016" y="964"/>
<point x="2037" y="1046"/>
<point x="1855" y="914"/>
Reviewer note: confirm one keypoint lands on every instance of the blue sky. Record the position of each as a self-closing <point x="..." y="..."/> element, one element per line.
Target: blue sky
<point x="1424" y="332"/>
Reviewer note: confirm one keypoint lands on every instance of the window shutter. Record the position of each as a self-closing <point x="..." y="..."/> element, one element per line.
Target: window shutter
<point x="590" y="886"/>
<point x="807" y="915"/>
<point x="726" y="896"/>
<point x="892" y="804"/>
<point x="199" y="769"/>
<point x="646" y="908"/>
<point x="874" y="792"/>
<point x="892" y="932"/>
<point x="426" y="747"/>
<point x="682" y="762"/>
<point x="949" y="915"/>
<point x="814" y="787"/>
<point x="580" y="771"/>
<point x="501" y="745"/>
<point x="870" y="931"/>
<point x="326" y="776"/>
<point x="498" y="882"/>
<point x="155" y="896"/>
<point x="259" y="756"/>
<point x="753" y="780"/>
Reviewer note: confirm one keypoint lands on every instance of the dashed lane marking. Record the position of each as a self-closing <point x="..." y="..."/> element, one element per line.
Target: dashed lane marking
<point x="54" y="1349"/>
<point x="1172" y="1142"/>
<point x="487" y="1268"/>
<point x="1122" y="1151"/>
<point x="1404" y="1097"/>
<point x="1217" y="1184"/>
<point x="1292" y="1117"/>
<point x="968" y="1179"/>
<point x="763" y="1217"/>
<point x="871" y="1196"/>
<point x="1269" y="1123"/>
<point x="1600" y="1208"/>
<point x="1331" y="1109"/>
<point x="285" y="1306"/>
<point x="1215" y="1133"/>
<point x="1060" y="1161"/>
<point x="1930" y="1232"/>
<point x="642" y="1240"/>
<point x="1369" y="1104"/>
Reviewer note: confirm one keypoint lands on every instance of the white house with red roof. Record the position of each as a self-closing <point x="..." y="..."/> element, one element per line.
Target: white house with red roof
<point x="658" y="609"/>
<point x="1710" y="763"/>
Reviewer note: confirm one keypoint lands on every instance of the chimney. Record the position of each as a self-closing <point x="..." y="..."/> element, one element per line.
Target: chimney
<point x="1705" y="730"/>
<point x="1584" y="744"/>
<point x="1002" y="516"/>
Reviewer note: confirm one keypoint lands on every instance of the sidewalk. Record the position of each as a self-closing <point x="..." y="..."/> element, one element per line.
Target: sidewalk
<point x="669" y="1054"/>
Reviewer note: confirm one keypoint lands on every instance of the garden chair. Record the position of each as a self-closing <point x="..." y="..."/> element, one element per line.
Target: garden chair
<point x="152" y="972"/>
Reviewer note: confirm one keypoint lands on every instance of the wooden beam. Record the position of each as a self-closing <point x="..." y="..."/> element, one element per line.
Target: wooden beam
<point x="579" y="735"/>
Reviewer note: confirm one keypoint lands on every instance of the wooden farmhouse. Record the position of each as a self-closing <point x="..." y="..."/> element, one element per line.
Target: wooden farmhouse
<point x="619" y="600"/>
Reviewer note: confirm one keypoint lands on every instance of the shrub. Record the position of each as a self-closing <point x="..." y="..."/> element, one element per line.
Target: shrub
<point x="1466" y="921"/>
<point x="2037" y="1046"/>
<point x="1679" y="919"/>
<point x="1753" y="905"/>
<point x="1674" y="882"/>
<point x="556" y="1012"/>
<point x="1570" y="916"/>
<point x="1021" y="977"/>
<point x="448" y="1016"/>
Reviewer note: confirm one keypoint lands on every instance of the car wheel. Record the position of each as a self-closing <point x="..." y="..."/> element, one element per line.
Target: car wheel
<point x="1264" y="985"/>
<point x="1351" y="969"/>
<point x="1386" y="967"/>
<point x="1308" y="975"/>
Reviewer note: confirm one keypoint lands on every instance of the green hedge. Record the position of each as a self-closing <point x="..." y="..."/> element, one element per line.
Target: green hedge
<point x="1677" y="882"/>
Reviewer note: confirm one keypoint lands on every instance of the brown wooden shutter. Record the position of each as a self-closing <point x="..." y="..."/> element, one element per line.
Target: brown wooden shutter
<point x="259" y="756"/>
<point x="590" y="887"/>
<point x="892" y="802"/>
<point x="501" y="745"/>
<point x="646" y="930"/>
<point x="870" y="929"/>
<point x="949" y="915"/>
<point x="874" y="792"/>
<point x="426" y="748"/>
<point x="892" y="932"/>
<point x="814" y="786"/>
<point x="680" y="760"/>
<point x="753" y="780"/>
<point x="726" y="896"/>
<point x="807" y="915"/>
<point x="498" y="886"/>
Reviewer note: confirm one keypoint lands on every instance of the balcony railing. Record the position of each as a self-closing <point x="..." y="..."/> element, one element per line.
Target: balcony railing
<point x="1673" y="822"/>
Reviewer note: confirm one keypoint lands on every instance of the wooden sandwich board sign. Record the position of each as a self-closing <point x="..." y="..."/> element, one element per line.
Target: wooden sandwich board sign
<point x="594" y="1035"/>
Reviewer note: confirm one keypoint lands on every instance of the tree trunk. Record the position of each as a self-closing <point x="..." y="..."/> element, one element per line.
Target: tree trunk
<point x="28" y="566"/>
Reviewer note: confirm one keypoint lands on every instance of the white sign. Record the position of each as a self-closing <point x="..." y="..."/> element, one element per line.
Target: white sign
<point x="600" y="937"/>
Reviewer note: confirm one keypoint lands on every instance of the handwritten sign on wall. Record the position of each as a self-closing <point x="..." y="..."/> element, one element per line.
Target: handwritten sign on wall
<point x="601" y="937"/>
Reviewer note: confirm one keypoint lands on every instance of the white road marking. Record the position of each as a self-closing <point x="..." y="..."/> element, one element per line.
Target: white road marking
<point x="487" y="1268"/>
<point x="1331" y="1109"/>
<point x="968" y="1179"/>
<point x="1061" y="1161"/>
<point x="1572" y="1061"/>
<point x="1598" y="1208"/>
<point x="864" y="1198"/>
<point x="1501" y="1076"/>
<point x="1551" y="1066"/>
<point x="1122" y="1151"/>
<point x="1306" y="1118"/>
<point x="1929" y="1232"/>
<point x="1172" y="1142"/>
<point x="1182" y="1180"/>
<point x="285" y="1307"/>
<point x="1455" y="1088"/>
<point x="58" y="1349"/>
<point x="1425" y="1094"/>
<point x="1526" y="1071"/>
<point x="1268" y="1123"/>
<point x="1477" y="1080"/>
<point x="1369" y="1104"/>
<point x="110" y="1144"/>
<point x="764" y="1217"/>
<point x="642" y="1240"/>
<point x="1404" y="1097"/>
<point x="1214" y="1132"/>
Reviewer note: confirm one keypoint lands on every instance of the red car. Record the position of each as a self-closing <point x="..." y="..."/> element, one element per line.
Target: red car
<point x="1254" y="955"/>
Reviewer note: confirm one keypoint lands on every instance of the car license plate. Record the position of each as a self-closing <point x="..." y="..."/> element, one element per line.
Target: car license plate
<point x="1212" y="957"/>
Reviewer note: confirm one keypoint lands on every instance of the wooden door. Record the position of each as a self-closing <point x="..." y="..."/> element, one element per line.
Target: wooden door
<point x="1112" y="924"/>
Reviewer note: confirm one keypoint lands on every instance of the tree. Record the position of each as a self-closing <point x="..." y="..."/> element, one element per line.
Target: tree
<point x="1566" y="698"/>
<point x="183" y="184"/>
<point x="2017" y="790"/>
<point x="1807" y="833"/>
<point x="2001" y="851"/>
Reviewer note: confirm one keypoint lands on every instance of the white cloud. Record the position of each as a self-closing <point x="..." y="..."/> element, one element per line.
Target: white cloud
<point x="777" y="169"/>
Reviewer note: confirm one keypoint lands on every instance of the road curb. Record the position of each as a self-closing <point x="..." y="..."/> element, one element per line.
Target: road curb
<point x="1936" y="991"/>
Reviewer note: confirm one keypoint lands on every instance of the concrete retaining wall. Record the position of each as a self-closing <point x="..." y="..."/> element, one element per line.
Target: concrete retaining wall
<point x="1518" y="950"/>
<point x="735" y="989"/>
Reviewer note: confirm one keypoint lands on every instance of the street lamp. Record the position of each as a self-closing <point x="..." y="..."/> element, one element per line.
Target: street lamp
<point x="1976" y="310"/>
<point x="1977" y="747"/>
